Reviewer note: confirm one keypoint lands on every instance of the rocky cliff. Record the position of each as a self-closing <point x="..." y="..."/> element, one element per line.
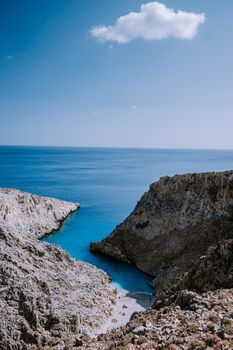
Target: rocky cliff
<point x="32" y="215"/>
<point x="181" y="232"/>
<point x="206" y="323"/>
<point x="46" y="298"/>
<point x="194" y="314"/>
<point x="173" y="225"/>
<point x="211" y="271"/>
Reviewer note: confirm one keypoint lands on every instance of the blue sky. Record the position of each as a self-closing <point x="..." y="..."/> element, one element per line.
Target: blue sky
<point x="61" y="85"/>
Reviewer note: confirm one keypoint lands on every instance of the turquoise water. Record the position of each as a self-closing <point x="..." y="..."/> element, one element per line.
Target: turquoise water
<point x="107" y="183"/>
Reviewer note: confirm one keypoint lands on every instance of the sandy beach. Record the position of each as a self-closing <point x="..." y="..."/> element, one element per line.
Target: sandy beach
<point x="126" y="304"/>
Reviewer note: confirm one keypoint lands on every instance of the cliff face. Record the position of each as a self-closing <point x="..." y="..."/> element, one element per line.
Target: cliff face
<point x="211" y="271"/>
<point x="46" y="298"/>
<point x="173" y="224"/>
<point x="32" y="215"/>
<point x="194" y="311"/>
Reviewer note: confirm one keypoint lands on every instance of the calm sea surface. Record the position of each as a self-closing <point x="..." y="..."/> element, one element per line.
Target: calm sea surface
<point x="106" y="182"/>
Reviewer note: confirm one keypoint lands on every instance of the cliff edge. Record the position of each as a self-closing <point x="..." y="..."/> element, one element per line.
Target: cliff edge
<point x="173" y="225"/>
<point x="47" y="299"/>
<point x="181" y="232"/>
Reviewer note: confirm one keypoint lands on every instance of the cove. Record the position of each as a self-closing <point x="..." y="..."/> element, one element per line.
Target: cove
<point x="107" y="182"/>
<point x="123" y="275"/>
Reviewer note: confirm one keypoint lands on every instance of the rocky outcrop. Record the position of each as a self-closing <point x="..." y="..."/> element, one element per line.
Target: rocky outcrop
<point x="186" y="317"/>
<point x="173" y="225"/>
<point x="181" y="231"/>
<point x="46" y="298"/>
<point x="29" y="214"/>
<point x="211" y="271"/>
<point x="206" y="322"/>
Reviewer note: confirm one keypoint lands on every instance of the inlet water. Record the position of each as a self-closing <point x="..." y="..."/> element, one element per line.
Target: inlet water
<point x="107" y="183"/>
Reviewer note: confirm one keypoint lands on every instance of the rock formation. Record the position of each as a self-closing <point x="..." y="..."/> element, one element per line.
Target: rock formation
<point x="46" y="298"/>
<point x="211" y="271"/>
<point x="184" y="319"/>
<point x="173" y="225"/>
<point x="181" y="231"/>
<point x="35" y="216"/>
<point x="205" y="323"/>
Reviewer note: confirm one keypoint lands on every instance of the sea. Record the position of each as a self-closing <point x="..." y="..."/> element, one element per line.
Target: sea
<point x="107" y="182"/>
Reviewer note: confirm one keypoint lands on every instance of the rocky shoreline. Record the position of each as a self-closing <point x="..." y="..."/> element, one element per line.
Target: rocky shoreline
<point x="33" y="215"/>
<point x="181" y="232"/>
<point x="173" y="225"/>
<point x="184" y="319"/>
<point x="47" y="299"/>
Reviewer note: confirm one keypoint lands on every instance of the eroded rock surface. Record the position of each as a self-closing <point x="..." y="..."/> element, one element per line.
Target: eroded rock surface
<point x="33" y="215"/>
<point x="205" y="323"/>
<point x="211" y="271"/>
<point x="181" y="232"/>
<point x="46" y="298"/>
<point x="173" y="225"/>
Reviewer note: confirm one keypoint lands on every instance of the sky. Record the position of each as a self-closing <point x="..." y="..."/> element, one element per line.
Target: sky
<point x="116" y="73"/>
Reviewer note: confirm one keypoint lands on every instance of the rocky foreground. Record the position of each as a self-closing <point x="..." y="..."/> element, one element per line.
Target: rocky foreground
<point x="47" y="299"/>
<point x="204" y="322"/>
<point x="199" y="317"/>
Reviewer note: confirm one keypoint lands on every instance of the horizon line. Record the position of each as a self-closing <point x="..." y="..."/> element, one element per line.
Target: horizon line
<point x="120" y="147"/>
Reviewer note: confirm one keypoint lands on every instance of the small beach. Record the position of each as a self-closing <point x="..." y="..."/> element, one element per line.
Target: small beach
<point x="126" y="304"/>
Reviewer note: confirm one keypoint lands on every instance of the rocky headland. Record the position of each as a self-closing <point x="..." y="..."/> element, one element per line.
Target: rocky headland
<point x="181" y="232"/>
<point x="28" y="214"/>
<point x="173" y="225"/>
<point x="47" y="299"/>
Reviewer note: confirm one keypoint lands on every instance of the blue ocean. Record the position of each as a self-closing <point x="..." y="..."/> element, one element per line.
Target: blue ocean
<point x="107" y="182"/>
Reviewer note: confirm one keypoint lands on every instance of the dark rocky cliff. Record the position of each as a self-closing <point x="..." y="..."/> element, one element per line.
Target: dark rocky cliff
<point x="173" y="225"/>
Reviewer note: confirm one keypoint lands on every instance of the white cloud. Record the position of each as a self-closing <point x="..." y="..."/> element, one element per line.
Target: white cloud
<point x="155" y="21"/>
<point x="134" y="107"/>
<point x="10" y="57"/>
